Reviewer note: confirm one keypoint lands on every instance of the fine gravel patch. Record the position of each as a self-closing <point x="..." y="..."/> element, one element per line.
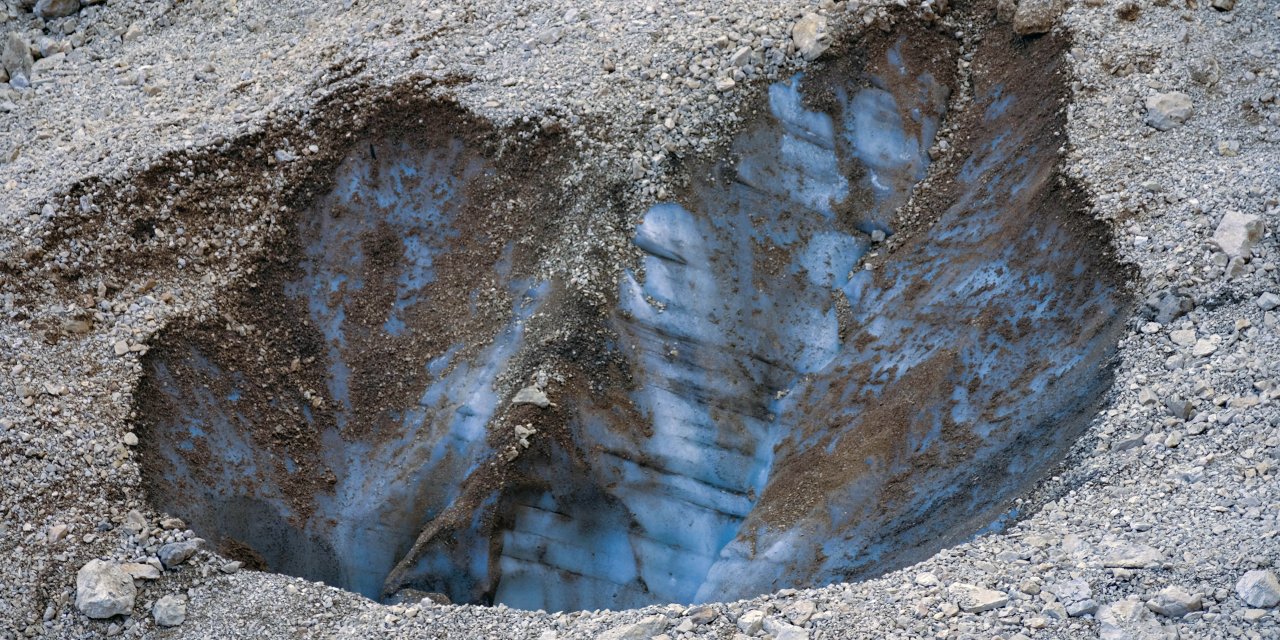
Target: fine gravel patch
<point x="153" y="155"/>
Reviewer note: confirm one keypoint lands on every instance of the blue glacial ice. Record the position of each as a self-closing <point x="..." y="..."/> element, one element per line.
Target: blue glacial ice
<point x="789" y="419"/>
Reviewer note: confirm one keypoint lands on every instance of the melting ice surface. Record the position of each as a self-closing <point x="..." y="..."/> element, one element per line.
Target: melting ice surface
<point x="387" y="484"/>
<point x="794" y="419"/>
<point x="779" y="433"/>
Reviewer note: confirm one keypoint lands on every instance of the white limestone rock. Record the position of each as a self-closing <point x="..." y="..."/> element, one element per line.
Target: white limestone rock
<point x="1237" y="233"/>
<point x="103" y="590"/>
<point x="1259" y="589"/>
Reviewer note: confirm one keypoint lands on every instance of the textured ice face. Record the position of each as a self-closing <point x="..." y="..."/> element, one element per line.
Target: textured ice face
<point x="787" y="418"/>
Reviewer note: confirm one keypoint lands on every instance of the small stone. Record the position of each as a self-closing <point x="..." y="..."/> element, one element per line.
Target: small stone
<point x="231" y="567"/>
<point x="702" y="615"/>
<point x="926" y="579"/>
<point x="1237" y="233"/>
<point x="134" y="521"/>
<point x="15" y="56"/>
<point x="1071" y="590"/>
<point x="1128" y="620"/>
<point x="1055" y="611"/>
<point x="103" y="590"/>
<point x="176" y="553"/>
<point x="1259" y="589"/>
<point x="1203" y="347"/>
<point x="50" y="9"/>
<point x="810" y="36"/>
<point x="1082" y="608"/>
<point x="1168" y="110"/>
<point x="1035" y="16"/>
<point x="1132" y="556"/>
<point x="1167" y="305"/>
<point x="1183" y="337"/>
<point x="131" y="439"/>
<point x="173" y="523"/>
<point x="800" y="612"/>
<point x="1268" y="301"/>
<point x="141" y="571"/>
<point x="1180" y="408"/>
<point x="56" y="532"/>
<point x="645" y="629"/>
<point x="1006" y="9"/>
<point x="751" y="621"/>
<point x="1174" y="602"/>
<point x="532" y="395"/>
<point x="725" y="84"/>
<point x="975" y="599"/>
<point x="1224" y="5"/>
<point x="740" y="58"/>
<point x="133" y="32"/>
<point x="783" y="631"/>
<point x="121" y="347"/>
<point x="170" y="611"/>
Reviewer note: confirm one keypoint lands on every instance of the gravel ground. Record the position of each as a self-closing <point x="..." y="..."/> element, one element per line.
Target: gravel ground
<point x="1162" y="522"/>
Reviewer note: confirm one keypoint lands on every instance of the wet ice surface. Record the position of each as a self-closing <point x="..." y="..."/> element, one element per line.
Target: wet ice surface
<point x="794" y="420"/>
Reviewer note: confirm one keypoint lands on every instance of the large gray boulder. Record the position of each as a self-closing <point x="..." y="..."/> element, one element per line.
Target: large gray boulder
<point x="103" y="590"/>
<point x="1168" y="110"/>
<point x="170" y="611"/>
<point x="1259" y="589"/>
<point x="50" y="9"/>
<point x="1237" y="233"/>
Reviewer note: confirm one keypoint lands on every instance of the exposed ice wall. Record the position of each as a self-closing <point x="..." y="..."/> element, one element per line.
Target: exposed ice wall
<point x="387" y="483"/>
<point x="794" y="419"/>
<point x="736" y="305"/>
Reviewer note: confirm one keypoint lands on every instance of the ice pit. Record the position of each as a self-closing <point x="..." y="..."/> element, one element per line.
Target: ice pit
<point x="754" y="409"/>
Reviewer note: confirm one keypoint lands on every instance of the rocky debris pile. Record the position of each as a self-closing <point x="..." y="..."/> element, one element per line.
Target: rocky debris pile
<point x="107" y="589"/>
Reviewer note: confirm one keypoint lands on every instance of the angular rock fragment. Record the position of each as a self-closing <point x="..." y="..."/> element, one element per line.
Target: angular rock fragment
<point x="103" y="590"/>
<point x="1237" y="233"/>
<point x="50" y="9"/>
<point x="170" y="611"/>
<point x="643" y="630"/>
<point x="15" y="55"/>
<point x="176" y="553"/>
<point x="1174" y="602"/>
<point x="1035" y="16"/>
<point x="1132" y="556"/>
<point x="975" y="599"/>
<point x="810" y="36"/>
<point x="1259" y="589"/>
<point x="532" y="395"/>
<point x="1130" y="620"/>
<point x="141" y="571"/>
<point x="1167" y="305"/>
<point x="1168" y="110"/>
